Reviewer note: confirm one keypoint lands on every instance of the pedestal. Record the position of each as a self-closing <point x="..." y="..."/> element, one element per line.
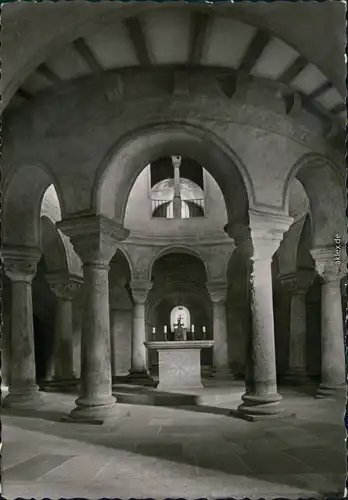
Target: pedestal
<point x="179" y="363"/>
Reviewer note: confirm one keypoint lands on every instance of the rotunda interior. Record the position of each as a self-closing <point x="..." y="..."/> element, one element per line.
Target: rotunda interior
<point x="174" y="235"/>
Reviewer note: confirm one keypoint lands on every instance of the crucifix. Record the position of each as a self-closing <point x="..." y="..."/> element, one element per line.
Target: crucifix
<point x="179" y="329"/>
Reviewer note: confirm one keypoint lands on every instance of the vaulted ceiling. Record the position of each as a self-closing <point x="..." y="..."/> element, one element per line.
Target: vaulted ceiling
<point x="269" y="42"/>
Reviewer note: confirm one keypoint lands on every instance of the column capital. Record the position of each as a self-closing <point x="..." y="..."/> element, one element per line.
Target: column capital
<point x="267" y="231"/>
<point x="94" y="237"/>
<point x="238" y="232"/>
<point x="297" y="282"/>
<point x="261" y="238"/>
<point x="140" y="290"/>
<point x="330" y="266"/>
<point x="20" y="263"/>
<point x="64" y="286"/>
<point x="217" y="291"/>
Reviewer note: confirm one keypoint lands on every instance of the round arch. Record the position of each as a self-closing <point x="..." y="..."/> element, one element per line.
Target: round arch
<point x="177" y="249"/>
<point x="325" y="188"/>
<point x="23" y="193"/>
<point x="174" y="290"/>
<point x="123" y="164"/>
<point x="183" y="313"/>
<point x="121" y="257"/>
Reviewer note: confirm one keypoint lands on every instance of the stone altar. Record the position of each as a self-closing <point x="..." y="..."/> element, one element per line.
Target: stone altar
<point x="179" y="363"/>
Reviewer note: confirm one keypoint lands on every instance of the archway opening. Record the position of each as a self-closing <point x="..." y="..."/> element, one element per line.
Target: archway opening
<point x="121" y="314"/>
<point x="179" y="294"/>
<point x="127" y="160"/>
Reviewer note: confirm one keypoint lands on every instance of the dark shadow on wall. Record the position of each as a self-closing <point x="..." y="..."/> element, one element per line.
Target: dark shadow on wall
<point x="44" y="310"/>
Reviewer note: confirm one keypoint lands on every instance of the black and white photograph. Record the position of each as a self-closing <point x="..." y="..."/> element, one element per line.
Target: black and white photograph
<point x="174" y="266"/>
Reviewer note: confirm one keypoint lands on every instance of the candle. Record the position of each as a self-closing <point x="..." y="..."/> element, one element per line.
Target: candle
<point x="153" y="330"/>
<point x="204" y="331"/>
<point x="193" y="328"/>
<point x="153" y="333"/>
<point x="165" y="328"/>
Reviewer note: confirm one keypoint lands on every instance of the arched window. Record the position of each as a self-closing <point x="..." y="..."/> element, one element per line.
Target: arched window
<point x="181" y="315"/>
<point x="192" y="199"/>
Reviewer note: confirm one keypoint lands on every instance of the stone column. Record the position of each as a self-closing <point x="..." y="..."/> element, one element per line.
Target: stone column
<point x="333" y="370"/>
<point x="139" y="370"/>
<point x="20" y="266"/>
<point x="261" y="399"/>
<point x="95" y="240"/>
<point x="297" y="284"/>
<point x="64" y="289"/>
<point x="176" y="161"/>
<point x="218" y="291"/>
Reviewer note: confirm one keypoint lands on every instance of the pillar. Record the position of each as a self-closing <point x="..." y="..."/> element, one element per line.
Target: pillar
<point x="95" y="240"/>
<point x="139" y="370"/>
<point x="333" y="370"/>
<point x="261" y="398"/>
<point x="218" y="291"/>
<point x="176" y="160"/>
<point x="120" y="333"/>
<point x="297" y="285"/>
<point x="64" y="288"/>
<point x="20" y="266"/>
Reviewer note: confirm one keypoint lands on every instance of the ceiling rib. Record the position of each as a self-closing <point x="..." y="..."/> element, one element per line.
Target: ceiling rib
<point x="137" y="36"/>
<point x="339" y="108"/>
<point x="323" y="88"/>
<point x="24" y="94"/>
<point x="85" y="52"/>
<point x="294" y="70"/>
<point x="199" y="27"/>
<point x="254" y="51"/>
<point x="48" y="74"/>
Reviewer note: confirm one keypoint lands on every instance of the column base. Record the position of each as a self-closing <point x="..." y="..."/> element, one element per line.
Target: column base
<point x="140" y="377"/>
<point x="331" y="391"/>
<point x="26" y="397"/>
<point x="179" y="388"/>
<point x="222" y="374"/>
<point x="297" y="377"/>
<point x="60" y="385"/>
<point x="94" y="411"/>
<point x="264" y="407"/>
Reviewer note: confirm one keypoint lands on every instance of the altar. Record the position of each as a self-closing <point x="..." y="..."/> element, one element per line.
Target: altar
<point x="179" y="363"/>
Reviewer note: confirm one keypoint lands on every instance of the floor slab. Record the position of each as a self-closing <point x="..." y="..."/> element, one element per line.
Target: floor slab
<point x="189" y="452"/>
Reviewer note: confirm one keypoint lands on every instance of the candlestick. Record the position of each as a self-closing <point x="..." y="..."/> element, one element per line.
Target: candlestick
<point x="204" y="332"/>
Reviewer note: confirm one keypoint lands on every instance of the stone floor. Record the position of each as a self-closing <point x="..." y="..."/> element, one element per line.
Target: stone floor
<point x="188" y="451"/>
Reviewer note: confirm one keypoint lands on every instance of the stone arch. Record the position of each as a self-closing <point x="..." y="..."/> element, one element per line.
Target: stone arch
<point x="122" y="260"/>
<point x="175" y="270"/>
<point x="122" y="165"/>
<point x="324" y="185"/>
<point x="175" y="249"/>
<point x="22" y="199"/>
<point x="186" y="315"/>
<point x="50" y="206"/>
<point x="165" y="292"/>
<point x="155" y="296"/>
